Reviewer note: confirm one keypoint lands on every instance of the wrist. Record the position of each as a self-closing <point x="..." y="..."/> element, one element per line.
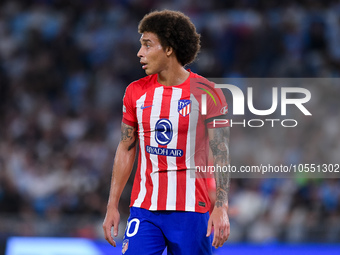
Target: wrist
<point x="223" y="205"/>
<point x="112" y="205"/>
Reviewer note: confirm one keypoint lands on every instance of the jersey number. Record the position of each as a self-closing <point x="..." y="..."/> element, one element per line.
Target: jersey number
<point x="128" y="234"/>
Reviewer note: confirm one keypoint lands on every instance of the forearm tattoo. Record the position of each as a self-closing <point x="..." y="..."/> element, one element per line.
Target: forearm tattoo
<point x="219" y="145"/>
<point x="128" y="133"/>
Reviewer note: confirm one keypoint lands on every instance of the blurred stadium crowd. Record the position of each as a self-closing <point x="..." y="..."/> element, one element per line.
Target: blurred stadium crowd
<point x="64" y="66"/>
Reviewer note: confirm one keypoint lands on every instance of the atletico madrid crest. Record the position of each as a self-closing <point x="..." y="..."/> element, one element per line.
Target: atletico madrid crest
<point x="184" y="107"/>
<point x="125" y="245"/>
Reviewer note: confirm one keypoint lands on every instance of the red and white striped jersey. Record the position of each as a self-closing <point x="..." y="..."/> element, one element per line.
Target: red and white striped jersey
<point x="173" y="139"/>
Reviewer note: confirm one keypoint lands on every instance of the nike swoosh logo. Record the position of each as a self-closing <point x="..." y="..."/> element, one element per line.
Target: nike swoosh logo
<point x="143" y="107"/>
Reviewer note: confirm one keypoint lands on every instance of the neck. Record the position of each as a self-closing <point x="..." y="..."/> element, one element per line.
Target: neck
<point x="172" y="76"/>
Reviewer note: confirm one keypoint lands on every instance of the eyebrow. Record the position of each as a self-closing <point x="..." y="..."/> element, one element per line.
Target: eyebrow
<point x="145" y="40"/>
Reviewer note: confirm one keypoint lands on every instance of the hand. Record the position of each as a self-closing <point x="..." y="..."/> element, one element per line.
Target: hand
<point x="220" y="220"/>
<point x="111" y="220"/>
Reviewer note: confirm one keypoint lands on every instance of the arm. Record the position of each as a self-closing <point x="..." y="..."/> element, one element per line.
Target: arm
<point x="122" y="167"/>
<point x="219" y="144"/>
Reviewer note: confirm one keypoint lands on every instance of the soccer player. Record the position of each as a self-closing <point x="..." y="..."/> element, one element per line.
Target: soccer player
<point x="164" y="115"/>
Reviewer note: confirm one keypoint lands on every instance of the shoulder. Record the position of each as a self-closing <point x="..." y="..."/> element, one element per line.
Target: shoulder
<point x="199" y="80"/>
<point x="195" y="75"/>
<point x="141" y="83"/>
<point x="138" y="87"/>
<point x="200" y="84"/>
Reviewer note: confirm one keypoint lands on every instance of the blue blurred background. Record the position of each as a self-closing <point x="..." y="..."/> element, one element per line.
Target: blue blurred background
<point x="64" y="66"/>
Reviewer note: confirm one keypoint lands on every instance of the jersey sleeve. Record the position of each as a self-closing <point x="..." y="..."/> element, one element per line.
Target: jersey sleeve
<point x="129" y="108"/>
<point x="217" y="108"/>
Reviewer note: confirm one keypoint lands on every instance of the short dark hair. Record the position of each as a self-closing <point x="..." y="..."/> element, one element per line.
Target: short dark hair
<point x="173" y="29"/>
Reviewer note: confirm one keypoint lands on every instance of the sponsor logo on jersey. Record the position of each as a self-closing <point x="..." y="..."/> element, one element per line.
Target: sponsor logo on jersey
<point x="124" y="108"/>
<point x="125" y="245"/>
<point x="200" y="203"/>
<point x="224" y="110"/>
<point x="164" y="151"/>
<point x="144" y="107"/>
<point x="184" y="107"/>
<point x="163" y="131"/>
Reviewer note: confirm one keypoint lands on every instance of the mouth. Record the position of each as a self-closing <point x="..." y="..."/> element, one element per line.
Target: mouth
<point x="143" y="64"/>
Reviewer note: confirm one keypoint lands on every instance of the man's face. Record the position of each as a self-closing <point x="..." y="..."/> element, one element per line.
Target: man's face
<point x="151" y="53"/>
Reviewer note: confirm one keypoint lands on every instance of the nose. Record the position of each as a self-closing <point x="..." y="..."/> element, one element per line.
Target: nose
<point x="140" y="52"/>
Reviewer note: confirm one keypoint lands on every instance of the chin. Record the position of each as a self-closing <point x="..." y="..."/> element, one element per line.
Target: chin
<point x="149" y="72"/>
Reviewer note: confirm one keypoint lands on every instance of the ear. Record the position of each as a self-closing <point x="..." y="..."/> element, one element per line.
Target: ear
<point x="169" y="50"/>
